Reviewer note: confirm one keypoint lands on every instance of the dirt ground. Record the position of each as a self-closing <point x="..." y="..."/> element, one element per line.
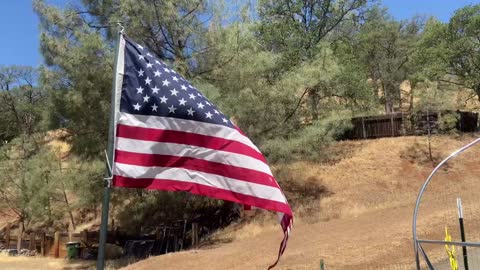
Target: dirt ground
<point x="29" y="263"/>
<point x="40" y="263"/>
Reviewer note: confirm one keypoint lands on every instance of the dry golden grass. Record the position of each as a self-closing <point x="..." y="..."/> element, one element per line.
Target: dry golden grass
<point x="365" y="222"/>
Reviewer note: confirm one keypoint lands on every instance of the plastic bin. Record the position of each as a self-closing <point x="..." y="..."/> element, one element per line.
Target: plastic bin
<point x="73" y="250"/>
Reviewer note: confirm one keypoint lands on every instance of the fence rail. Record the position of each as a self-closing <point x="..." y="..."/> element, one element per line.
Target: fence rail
<point x="401" y="124"/>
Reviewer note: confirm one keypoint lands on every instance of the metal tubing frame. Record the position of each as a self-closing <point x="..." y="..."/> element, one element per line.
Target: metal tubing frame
<point x="419" y="197"/>
<point x="452" y="243"/>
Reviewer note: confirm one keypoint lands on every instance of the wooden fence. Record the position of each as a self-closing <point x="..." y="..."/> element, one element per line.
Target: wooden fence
<point x="168" y="238"/>
<point x="400" y="124"/>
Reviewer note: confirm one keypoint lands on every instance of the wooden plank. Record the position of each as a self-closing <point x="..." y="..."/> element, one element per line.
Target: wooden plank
<point x="31" y="245"/>
<point x="84" y="236"/>
<point x="56" y="245"/>
<point x="392" y="126"/>
<point x="43" y="248"/>
<point x="363" y="131"/>
<point x="70" y="232"/>
<point x="194" y="234"/>
<point x="7" y="235"/>
<point x="19" y="237"/>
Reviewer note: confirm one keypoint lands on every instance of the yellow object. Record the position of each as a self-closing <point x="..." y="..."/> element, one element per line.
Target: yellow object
<point x="451" y="251"/>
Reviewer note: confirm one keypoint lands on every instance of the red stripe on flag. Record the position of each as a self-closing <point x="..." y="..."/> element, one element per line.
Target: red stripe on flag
<point x="172" y="185"/>
<point x="180" y="137"/>
<point x="286" y="222"/>
<point x="149" y="160"/>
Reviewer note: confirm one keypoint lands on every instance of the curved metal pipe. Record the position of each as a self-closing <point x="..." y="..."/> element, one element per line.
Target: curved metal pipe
<point x="420" y="193"/>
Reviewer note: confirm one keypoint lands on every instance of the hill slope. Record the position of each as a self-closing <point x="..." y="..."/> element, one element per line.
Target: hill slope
<point x="366" y="221"/>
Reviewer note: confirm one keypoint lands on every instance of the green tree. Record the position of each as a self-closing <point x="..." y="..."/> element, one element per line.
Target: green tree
<point x="385" y="46"/>
<point x="21" y="101"/>
<point x="461" y="38"/>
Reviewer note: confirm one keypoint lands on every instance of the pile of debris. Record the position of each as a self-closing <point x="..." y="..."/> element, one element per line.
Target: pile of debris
<point x="14" y="252"/>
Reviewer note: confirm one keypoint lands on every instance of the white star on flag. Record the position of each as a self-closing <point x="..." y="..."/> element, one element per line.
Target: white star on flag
<point x="148" y="80"/>
<point x="171" y="109"/>
<point x="163" y="99"/>
<point x="155" y="89"/>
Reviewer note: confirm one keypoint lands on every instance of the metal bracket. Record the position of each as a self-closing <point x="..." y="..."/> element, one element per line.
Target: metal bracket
<point x="109" y="177"/>
<point x="122" y="29"/>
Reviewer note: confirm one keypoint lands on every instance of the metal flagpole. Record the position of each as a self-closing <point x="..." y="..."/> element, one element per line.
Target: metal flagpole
<point x="109" y="157"/>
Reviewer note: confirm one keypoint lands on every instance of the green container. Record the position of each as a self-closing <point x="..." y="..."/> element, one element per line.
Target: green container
<point x="73" y="250"/>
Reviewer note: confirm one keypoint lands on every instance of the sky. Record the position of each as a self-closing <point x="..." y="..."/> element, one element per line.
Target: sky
<point x="20" y="31"/>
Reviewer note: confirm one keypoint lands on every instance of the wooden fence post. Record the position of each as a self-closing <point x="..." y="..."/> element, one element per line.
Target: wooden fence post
<point x="32" y="243"/>
<point x="85" y="236"/>
<point x="7" y="236"/>
<point x="19" y="237"/>
<point x="167" y="238"/>
<point x="56" y="245"/>
<point x="70" y="232"/>
<point x="364" y="131"/>
<point x="43" y="248"/>
<point x="392" y="125"/>
<point x="194" y="234"/>
<point x="158" y="235"/>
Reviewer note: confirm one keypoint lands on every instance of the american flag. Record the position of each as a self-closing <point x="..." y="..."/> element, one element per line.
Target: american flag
<point x="169" y="136"/>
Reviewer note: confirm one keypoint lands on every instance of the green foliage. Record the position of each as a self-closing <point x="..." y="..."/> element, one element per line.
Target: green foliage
<point x="143" y="210"/>
<point x="38" y="185"/>
<point x="79" y="93"/>
<point x="21" y="101"/>
<point x="448" y="122"/>
<point x="308" y="143"/>
<point x="432" y="98"/>
<point x="463" y="46"/>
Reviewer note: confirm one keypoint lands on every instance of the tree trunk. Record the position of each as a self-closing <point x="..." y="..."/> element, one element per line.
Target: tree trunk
<point x="312" y="94"/>
<point x="66" y="201"/>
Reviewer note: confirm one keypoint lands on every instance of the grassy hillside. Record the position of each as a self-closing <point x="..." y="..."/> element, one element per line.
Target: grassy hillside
<point x="365" y="219"/>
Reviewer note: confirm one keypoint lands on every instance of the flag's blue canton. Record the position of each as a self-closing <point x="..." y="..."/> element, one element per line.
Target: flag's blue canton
<point x="150" y="87"/>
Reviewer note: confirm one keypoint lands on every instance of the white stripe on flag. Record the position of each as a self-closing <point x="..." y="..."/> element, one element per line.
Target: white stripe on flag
<point x="202" y="178"/>
<point x="170" y="123"/>
<point x="186" y="150"/>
